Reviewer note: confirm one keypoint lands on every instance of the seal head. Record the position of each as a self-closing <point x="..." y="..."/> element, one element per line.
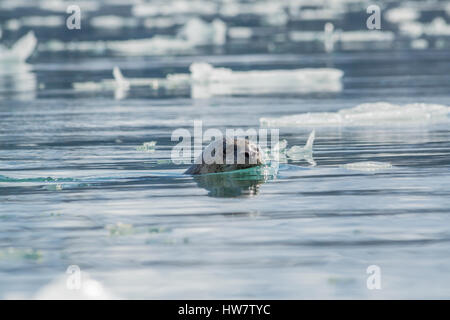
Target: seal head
<point x="228" y="154"/>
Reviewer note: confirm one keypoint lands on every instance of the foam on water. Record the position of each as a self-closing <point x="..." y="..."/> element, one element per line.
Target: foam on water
<point x="366" y="114"/>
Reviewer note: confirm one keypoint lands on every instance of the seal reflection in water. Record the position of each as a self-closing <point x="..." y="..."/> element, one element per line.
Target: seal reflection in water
<point x="230" y="167"/>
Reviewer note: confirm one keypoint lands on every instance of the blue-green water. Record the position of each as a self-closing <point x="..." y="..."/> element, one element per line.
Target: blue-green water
<point x="76" y="189"/>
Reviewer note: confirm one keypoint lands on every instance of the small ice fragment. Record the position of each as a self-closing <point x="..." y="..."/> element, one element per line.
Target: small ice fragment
<point x="282" y="145"/>
<point x="21" y="50"/>
<point x="147" y="146"/>
<point x="419" y="44"/>
<point x="120" y="229"/>
<point x="42" y="21"/>
<point x="366" y="114"/>
<point x="120" y="79"/>
<point x="240" y="33"/>
<point x="401" y="14"/>
<point x="367" y="166"/>
<point x="298" y="153"/>
<point x="112" y="22"/>
<point x="329" y="37"/>
<point x="197" y="32"/>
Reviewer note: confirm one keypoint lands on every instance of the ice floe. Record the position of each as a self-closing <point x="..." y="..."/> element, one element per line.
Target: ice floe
<point x="208" y="81"/>
<point x="240" y="32"/>
<point x="401" y="14"/>
<point x="346" y="39"/>
<point x="365" y="114"/>
<point x="21" y="50"/>
<point x="367" y="166"/>
<point x="437" y="27"/>
<point x="195" y="32"/>
<point x="173" y="8"/>
<point x="205" y="81"/>
<point x="112" y="22"/>
<point x="172" y="84"/>
<point x="199" y="32"/>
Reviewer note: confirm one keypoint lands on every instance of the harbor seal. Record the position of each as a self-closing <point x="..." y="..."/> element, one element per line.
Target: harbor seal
<point x="227" y="154"/>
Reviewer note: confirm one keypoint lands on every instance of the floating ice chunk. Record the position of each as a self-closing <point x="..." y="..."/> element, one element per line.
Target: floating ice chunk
<point x="278" y="19"/>
<point x="411" y="28"/>
<point x="280" y="153"/>
<point x="173" y="84"/>
<point x="329" y="37"/>
<point x="164" y="22"/>
<point x="171" y="81"/>
<point x="173" y="8"/>
<point x="12" y="253"/>
<point x="343" y="36"/>
<point x="112" y="22"/>
<point x="346" y="39"/>
<point x="12" y="24"/>
<point x="94" y="86"/>
<point x="419" y="44"/>
<point x="11" y="5"/>
<point x="209" y="81"/>
<point x="42" y="21"/>
<point x="318" y="14"/>
<point x="366" y="114"/>
<point x="73" y="46"/>
<point x="282" y="145"/>
<point x="367" y="166"/>
<point x="21" y="50"/>
<point x="366" y="36"/>
<point x="195" y="33"/>
<point x="198" y="32"/>
<point x="401" y="14"/>
<point x="260" y="8"/>
<point x="206" y="81"/>
<point x="438" y="27"/>
<point x="298" y="153"/>
<point x="147" y="146"/>
<point x="61" y="6"/>
<point x="120" y="229"/>
<point x="155" y="45"/>
<point x="120" y="79"/>
<point x="240" y="33"/>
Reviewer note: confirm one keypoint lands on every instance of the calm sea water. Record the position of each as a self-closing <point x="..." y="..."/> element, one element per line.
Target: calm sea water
<point x="76" y="190"/>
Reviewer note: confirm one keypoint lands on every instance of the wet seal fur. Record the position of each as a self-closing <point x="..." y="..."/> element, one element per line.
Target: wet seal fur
<point x="237" y="154"/>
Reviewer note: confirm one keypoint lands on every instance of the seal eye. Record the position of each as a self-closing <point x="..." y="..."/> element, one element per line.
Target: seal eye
<point x="213" y="153"/>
